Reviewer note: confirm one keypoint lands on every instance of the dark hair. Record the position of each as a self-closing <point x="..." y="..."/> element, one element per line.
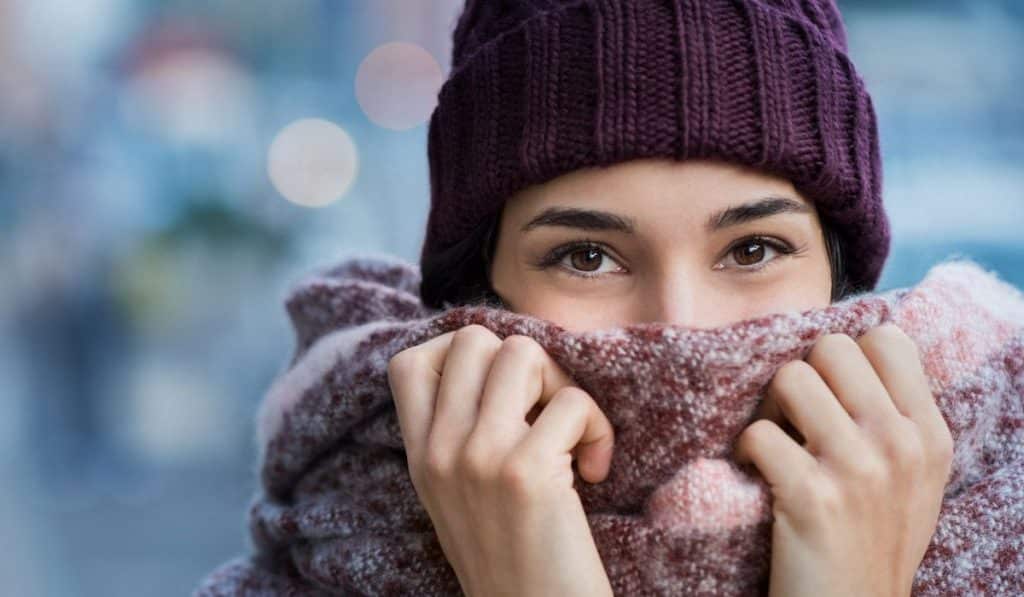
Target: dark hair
<point x="459" y="275"/>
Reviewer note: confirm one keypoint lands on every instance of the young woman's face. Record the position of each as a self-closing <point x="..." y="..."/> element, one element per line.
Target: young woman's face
<point x="699" y="243"/>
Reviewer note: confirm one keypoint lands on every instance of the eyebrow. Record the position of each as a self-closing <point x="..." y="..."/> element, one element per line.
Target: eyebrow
<point x="590" y="219"/>
<point x="761" y="208"/>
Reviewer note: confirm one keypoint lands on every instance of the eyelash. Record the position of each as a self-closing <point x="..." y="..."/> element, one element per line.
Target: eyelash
<point x="555" y="256"/>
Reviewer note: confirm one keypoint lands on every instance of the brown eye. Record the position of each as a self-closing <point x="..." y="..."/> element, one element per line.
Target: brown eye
<point x="590" y="261"/>
<point x="583" y="260"/>
<point x="749" y="253"/>
<point x="754" y="254"/>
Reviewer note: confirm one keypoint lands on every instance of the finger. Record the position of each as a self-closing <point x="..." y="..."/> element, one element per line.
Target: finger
<point x="572" y="419"/>
<point x="799" y="394"/>
<point x="896" y="359"/>
<point x="522" y="376"/>
<point x="466" y="364"/>
<point x="894" y="356"/>
<point x="777" y="457"/>
<point x="414" y="376"/>
<point x="839" y="360"/>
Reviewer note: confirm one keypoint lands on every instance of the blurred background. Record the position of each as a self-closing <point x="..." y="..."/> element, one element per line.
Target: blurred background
<point x="169" y="167"/>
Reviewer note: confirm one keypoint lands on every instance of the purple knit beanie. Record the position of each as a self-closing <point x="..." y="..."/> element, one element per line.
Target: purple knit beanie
<point x="539" y="88"/>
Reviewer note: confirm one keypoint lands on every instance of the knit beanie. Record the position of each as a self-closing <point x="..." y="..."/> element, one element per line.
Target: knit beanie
<point x="539" y="88"/>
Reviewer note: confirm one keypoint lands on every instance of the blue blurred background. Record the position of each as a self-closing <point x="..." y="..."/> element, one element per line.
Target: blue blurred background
<point x="155" y="206"/>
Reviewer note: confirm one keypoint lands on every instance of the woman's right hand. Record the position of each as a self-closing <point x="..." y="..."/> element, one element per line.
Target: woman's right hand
<point x="497" y="485"/>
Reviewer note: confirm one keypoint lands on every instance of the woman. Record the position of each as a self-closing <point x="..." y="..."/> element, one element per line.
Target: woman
<point x="601" y="163"/>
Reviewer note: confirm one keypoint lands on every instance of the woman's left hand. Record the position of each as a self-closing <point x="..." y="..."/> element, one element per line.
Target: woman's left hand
<point x="856" y="505"/>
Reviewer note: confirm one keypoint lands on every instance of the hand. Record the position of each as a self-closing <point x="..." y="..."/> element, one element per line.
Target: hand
<point x="856" y="505"/>
<point x="499" y="488"/>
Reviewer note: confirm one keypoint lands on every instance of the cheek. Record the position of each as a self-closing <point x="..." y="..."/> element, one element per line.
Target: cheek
<point x="810" y="289"/>
<point x="573" y="314"/>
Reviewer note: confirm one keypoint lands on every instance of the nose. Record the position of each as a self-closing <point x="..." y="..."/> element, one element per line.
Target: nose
<point x="676" y="298"/>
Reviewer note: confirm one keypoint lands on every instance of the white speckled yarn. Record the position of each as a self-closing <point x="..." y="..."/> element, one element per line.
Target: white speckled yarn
<point x="337" y="514"/>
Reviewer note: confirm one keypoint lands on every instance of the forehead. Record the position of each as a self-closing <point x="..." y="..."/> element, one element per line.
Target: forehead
<point x="654" y="191"/>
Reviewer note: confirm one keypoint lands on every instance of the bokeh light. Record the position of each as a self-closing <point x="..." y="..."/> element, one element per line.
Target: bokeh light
<point x="194" y="95"/>
<point x="397" y="85"/>
<point x="312" y="162"/>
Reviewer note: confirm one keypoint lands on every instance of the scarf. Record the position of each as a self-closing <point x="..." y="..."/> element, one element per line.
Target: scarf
<point x="336" y="512"/>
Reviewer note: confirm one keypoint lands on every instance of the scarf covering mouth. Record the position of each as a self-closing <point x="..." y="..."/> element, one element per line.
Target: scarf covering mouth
<point x="336" y="512"/>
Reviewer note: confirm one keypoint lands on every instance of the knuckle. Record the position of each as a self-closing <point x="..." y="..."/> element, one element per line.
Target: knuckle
<point x="889" y="335"/>
<point x="868" y="471"/>
<point x="522" y="345"/>
<point x="402" y="362"/>
<point x="894" y="333"/>
<point x="572" y="398"/>
<point x="904" y="446"/>
<point x="911" y="456"/>
<point x="755" y="432"/>
<point x="438" y="467"/>
<point x="517" y="479"/>
<point x="837" y="341"/>
<point x="792" y="373"/>
<point x="475" y="334"/>
<point x="831" y="344"/>
<point x="818" y="499"/>
<point x="477" y="461"/>
<point x="828" y="500"/>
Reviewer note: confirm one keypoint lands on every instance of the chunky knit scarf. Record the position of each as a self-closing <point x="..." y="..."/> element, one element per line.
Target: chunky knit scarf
<point x="337" y="512"/>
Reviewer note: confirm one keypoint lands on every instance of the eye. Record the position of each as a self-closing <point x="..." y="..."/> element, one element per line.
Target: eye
<point x="751" y="254"/>
<point x="581" y="259"/>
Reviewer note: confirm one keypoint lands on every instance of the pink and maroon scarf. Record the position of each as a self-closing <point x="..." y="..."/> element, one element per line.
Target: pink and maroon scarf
<point x="337" y="514"/>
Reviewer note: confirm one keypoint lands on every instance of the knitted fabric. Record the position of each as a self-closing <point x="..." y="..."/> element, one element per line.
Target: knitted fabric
<point x="539" y="88"/>
<point x="337" y="512"/>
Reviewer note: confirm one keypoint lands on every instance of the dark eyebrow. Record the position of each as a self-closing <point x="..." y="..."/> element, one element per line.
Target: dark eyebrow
<point x="590" y="219"/>
<point x="761" y="208"/>
<point x="587" y="219"/>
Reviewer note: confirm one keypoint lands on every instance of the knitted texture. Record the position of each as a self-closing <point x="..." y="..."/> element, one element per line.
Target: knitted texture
<point x="539" y="88"/>
<point x="337" y="512"/>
